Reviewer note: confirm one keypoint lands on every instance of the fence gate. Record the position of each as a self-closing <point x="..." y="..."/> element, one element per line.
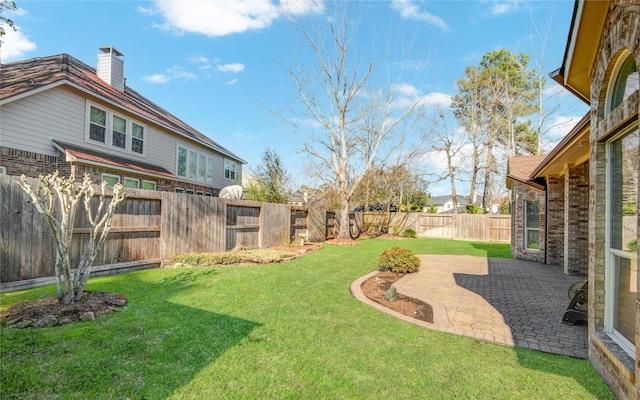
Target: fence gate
<point x="243" y="227"/>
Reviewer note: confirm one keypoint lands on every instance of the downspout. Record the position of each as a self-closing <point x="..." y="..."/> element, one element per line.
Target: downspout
<point x="546" y="220"/>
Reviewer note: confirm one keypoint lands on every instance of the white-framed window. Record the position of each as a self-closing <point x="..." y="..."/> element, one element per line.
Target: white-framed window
<point x="193" y="165"/>
<point x="137" y="137"/>
<point x="114" y="130"/>
<point x="229" y="170"/>
<point x="148" y="185"/>
<point x="3" y="170"/>
<point x="131" y="183"/>
<point x="110" y="179"/>
<point x="208" y="194"/>
<point x="190" y="191"/>
<point x="625" y="82"/>
<point x="179" y="190"/>
<point x="532" y="224"/>
<point x="200" y="193"/>
<point x="97" y="124"/>
<point x="621" y="268"/>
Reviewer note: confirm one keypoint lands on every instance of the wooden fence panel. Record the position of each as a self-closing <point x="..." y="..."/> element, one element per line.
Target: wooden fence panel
<point x="470" y="227"/>
<point x="275" y="224"/>
<point x="243" y="226"/>
<point x="317" y="224"/>
<point x="298" y="224"/>
<point x="436" y="226"/>
<point x="500" y="228"/>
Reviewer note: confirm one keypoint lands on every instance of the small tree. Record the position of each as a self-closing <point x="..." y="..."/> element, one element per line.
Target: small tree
<point x="55" y="191"/>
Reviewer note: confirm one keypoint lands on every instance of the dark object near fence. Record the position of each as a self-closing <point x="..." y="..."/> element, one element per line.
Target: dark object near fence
<point x="577" y="310"/>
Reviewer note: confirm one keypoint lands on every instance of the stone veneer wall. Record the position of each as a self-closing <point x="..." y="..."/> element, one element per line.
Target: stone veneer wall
<point x="620" y="32"/>
<point x="576" y="220"/>
<point x="519" y="193"/>
<point x="555" y="220"/>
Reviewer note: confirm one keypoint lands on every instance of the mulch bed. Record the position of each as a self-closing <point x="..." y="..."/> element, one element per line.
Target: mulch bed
<point x="376" y="287"/>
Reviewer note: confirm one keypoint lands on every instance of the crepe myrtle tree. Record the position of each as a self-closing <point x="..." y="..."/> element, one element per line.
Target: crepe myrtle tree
<point x="54" y="192"/>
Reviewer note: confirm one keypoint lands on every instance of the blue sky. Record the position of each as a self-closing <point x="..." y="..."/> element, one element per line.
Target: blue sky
<point x="220" y="65"/>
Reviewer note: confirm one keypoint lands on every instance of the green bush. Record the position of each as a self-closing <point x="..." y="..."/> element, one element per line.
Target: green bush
<point x="409" y="232"/>
<point x="398" y="259"/>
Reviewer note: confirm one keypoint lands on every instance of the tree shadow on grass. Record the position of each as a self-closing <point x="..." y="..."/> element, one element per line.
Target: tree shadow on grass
<point x="149" y="350"/>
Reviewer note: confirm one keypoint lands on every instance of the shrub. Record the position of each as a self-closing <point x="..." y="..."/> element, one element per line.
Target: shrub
<point x="398" y="259"/>
<point x="409" y="232"/>
<point x="395" y="230"/>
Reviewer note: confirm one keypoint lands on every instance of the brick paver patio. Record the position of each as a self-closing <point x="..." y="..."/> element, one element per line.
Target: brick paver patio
<point x="506" y="301"/>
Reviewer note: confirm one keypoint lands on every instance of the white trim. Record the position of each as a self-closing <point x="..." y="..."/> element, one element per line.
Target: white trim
<point x="611" y="273"/>
<point x="3" y="170"/>
<point x="104" y="174"/>
<point x="145" y="181"/>
<point x="136" y="180"/>
<point x="574" y="37"/>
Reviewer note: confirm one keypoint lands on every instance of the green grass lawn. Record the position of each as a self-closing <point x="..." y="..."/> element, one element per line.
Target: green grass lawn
<point x="288" y="330"/>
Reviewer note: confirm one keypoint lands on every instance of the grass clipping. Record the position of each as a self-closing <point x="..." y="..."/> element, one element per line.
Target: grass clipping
<point x="236" y="257"/>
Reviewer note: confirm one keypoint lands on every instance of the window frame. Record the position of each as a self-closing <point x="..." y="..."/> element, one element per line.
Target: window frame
<point x="146" y="181"/>
<point x="526" y="227"/>
<point x="194" y="162"/>
<point x="129" y="179"/>
<point x="611" y="270"/>
<point x="108" y="175"/>
<point x="179" y="190"/>
<point x="3" y="170"/>
<point x="229" y="169"/>
<point x="109" y="130"/>
<point x="614" y="80"/>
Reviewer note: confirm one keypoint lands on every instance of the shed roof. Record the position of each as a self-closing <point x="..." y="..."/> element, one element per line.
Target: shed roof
<point x="23" y="78"/>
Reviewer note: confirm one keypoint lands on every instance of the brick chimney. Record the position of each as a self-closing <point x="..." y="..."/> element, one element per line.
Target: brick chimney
<point x="111" y="66"/>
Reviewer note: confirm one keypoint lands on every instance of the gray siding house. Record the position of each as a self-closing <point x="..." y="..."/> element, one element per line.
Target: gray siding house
<point x="57" y="113"/>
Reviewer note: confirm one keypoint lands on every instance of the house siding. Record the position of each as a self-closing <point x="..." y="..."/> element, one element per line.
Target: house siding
<point x="60" y="114"/>
<point x="620" y="32"/>
<point x="519" y="194"/>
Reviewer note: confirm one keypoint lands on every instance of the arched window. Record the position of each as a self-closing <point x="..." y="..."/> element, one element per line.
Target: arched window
<point x="625" y="82"/>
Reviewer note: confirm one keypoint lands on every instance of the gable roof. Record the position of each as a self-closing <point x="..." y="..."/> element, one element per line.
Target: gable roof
<point x="23" y="78"/>
<point x="520" y="169"/>
<point x="442" y="200"/>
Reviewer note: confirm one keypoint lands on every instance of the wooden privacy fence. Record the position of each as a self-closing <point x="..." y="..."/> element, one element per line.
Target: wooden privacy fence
<point x="481" y="227"/>
<point x="147" y="229"/>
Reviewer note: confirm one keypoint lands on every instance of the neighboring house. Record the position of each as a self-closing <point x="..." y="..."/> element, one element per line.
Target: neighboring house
<point x="444" y="204"/>
<point x="592" y="179"/>
<point x="304" y="197"/>
<point x="57" y="113"/>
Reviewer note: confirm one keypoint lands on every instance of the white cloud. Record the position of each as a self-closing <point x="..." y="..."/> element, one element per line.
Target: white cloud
<point x="498" y="8"/>
<point x="409" y="95"/>
<point x="436" y="100"/>
<point x="15" y="44"/>
<point x="561" y="125"/>
<point x="409" y="10"/>
<point x="145" y="11"/>
<point x="232" y="82"/>
<point x="220" y="18"/>
<point x="236" y="67"/>
<point x="156" y="78"/>
<point x="199" y="60"/>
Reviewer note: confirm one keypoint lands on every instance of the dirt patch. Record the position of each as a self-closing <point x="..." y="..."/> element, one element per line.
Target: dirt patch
<point x="47" y="311"/>
<point x="376" y="287"/>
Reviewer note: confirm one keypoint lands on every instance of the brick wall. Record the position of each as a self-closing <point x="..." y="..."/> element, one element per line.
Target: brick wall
<point x="519" y="194"/>
<point x="555" y="220"/>
<point x="620" y="33"/>
<point x="576" y="221"/>
<point x="31" y="164"/>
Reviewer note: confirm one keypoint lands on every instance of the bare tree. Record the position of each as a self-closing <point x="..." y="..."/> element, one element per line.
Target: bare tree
<point x="354" y="114"/>
<point x="56" y="192"/>
<point x="448" y="143"/>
